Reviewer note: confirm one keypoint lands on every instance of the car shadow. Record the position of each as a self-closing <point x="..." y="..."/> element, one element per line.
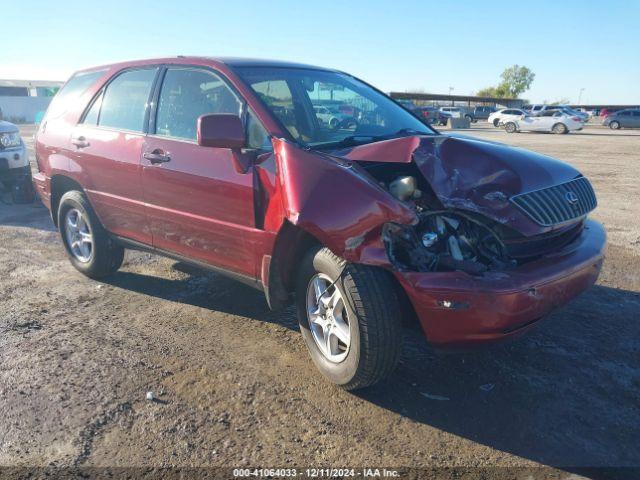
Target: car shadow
<point x="29" y="215"/>
<point x="566" y="395"/>
<point x="207" y="290"/>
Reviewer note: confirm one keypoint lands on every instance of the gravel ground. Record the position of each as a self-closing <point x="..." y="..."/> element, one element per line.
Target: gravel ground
<point x="235" y="386"/>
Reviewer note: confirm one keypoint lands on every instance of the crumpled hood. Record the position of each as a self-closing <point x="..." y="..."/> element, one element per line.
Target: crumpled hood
<point x="471" y="174"/>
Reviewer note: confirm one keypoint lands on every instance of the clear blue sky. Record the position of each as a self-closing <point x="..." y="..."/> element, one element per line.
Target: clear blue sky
<point x="394" y="45"/>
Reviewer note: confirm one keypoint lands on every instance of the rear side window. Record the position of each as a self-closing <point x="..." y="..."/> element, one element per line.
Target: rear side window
<point x="188" y="93"/>
<point x="68" y="96"/>
<point x="125" y="100"/>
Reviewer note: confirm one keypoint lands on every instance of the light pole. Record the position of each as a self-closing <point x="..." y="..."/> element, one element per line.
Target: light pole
<point x="451" y="90"/>
<point x="580" y="96"/>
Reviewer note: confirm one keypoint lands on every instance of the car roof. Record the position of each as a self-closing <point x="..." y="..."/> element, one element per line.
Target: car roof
<point x="228" y="61"/>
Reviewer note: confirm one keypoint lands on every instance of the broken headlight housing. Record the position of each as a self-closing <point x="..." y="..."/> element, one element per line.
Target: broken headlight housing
<point x="445" y="241"/>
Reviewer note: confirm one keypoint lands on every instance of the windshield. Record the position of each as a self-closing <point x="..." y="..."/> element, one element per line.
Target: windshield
<point x="328" y="109"/>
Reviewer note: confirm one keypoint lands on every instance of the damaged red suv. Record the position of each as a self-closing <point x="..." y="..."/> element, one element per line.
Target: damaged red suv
<point x="315" y="187"/>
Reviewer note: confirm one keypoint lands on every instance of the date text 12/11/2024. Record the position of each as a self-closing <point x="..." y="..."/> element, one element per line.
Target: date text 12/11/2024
<point x="316" y="472"/>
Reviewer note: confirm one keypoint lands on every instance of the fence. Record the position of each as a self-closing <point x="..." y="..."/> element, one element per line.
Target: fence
<point x="23" y="109"/>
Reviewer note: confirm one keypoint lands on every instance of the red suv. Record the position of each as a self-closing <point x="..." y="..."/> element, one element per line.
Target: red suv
<point x="224" y="163"/>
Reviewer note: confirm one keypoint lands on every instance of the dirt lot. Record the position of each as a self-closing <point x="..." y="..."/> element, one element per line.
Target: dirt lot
<point x="236" y="385"/>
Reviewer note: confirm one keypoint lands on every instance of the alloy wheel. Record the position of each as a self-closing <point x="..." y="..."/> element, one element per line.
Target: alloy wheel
<point x="328" y="318"/>
<point x="79" y="235"/>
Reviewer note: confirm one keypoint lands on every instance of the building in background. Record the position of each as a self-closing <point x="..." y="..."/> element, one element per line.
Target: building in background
<point x="25" y="101"/>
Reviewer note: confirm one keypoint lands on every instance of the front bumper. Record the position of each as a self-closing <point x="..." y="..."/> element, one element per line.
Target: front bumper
<point x="457" y="309"/>
<point x="14" y="163"/>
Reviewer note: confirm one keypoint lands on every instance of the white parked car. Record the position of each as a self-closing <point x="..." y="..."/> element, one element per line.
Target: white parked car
<point x="457" y="112"/>
<point x="556" y="121"/>
<point x="538" y="109"/>
<point x="332" y="117"/>
<point x="501" y="116"/>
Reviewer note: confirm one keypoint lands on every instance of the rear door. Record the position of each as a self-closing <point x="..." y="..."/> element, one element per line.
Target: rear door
<point x="635" y="118"/>
<point x="625" y="118"/>
<point x="108" y="143"/>
<point x="199" y="199"/>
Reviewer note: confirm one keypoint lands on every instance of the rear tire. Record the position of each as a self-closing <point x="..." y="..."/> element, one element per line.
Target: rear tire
<point x="373" y="313"/>
<point x="510" y="127"/>
<point x="560" y="128"/>
<point x="614" y="125"/>
<point x="97" y="256"/>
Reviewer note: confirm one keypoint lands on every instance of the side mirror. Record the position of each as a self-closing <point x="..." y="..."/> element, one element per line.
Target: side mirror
<point x="222" y="130"/>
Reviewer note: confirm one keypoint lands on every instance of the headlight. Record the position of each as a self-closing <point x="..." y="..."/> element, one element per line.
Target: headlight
<point x="10" y="139"/>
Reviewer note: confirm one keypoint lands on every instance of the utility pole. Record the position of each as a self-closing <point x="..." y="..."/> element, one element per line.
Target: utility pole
<point x="451" y="90"/>
<point x="580" y="96"/>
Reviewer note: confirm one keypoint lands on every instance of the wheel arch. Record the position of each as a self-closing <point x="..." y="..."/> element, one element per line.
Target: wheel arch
<point x="291" y="244"/>
<point x="61" y="184"/>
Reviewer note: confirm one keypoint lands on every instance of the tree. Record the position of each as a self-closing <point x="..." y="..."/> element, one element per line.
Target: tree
<point x="515" y="80"/>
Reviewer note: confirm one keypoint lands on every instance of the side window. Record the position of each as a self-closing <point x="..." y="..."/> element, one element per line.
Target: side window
<point x="125" y="101"/>
<point x="257" y="136"/>
<point x="625" y="114"/>
<point x="277" y="95"/>
<point x="188" y="93"/>
<point x="636" y="113"/>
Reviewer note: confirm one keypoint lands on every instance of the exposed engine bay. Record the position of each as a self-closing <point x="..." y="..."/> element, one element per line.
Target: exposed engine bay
<point x="442" y="240"/>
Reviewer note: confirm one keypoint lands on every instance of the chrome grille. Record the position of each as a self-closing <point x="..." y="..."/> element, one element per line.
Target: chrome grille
<point x="558" y="204"/>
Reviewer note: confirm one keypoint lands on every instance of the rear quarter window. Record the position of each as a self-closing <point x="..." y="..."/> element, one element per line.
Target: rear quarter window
<point x="70" y="94"/>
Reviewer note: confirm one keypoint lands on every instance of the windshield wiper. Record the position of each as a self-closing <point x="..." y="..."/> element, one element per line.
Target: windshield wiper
<point x="350" y="141"/>
<point x="355" y="140"/>
<point x="408" y="131"/>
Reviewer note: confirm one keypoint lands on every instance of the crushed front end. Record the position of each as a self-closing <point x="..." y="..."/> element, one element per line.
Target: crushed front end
<point x="501" y="238"/>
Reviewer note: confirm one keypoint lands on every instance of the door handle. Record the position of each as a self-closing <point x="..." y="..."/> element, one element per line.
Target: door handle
<point x="80" y="142"/>
<point x="157" y="156"/>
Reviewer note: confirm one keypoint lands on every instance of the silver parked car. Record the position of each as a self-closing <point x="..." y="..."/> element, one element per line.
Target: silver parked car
<point x="628" y="118"/>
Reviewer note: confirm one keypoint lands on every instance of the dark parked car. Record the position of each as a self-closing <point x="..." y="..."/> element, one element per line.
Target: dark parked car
<point x="222" y="163"/>
<point x="432" y="115"/>
<point x="629" y="118"/>
<point x="482" y="113"/>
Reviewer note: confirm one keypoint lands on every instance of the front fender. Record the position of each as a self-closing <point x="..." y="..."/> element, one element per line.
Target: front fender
<point x="335" y="203"/>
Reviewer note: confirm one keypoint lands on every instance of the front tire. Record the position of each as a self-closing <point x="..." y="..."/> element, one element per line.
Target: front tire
<point x="349" y="317"/>
<point x="614" y="125"/>
<point x="496" y="122"/>
<point x="87" y="243"/>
